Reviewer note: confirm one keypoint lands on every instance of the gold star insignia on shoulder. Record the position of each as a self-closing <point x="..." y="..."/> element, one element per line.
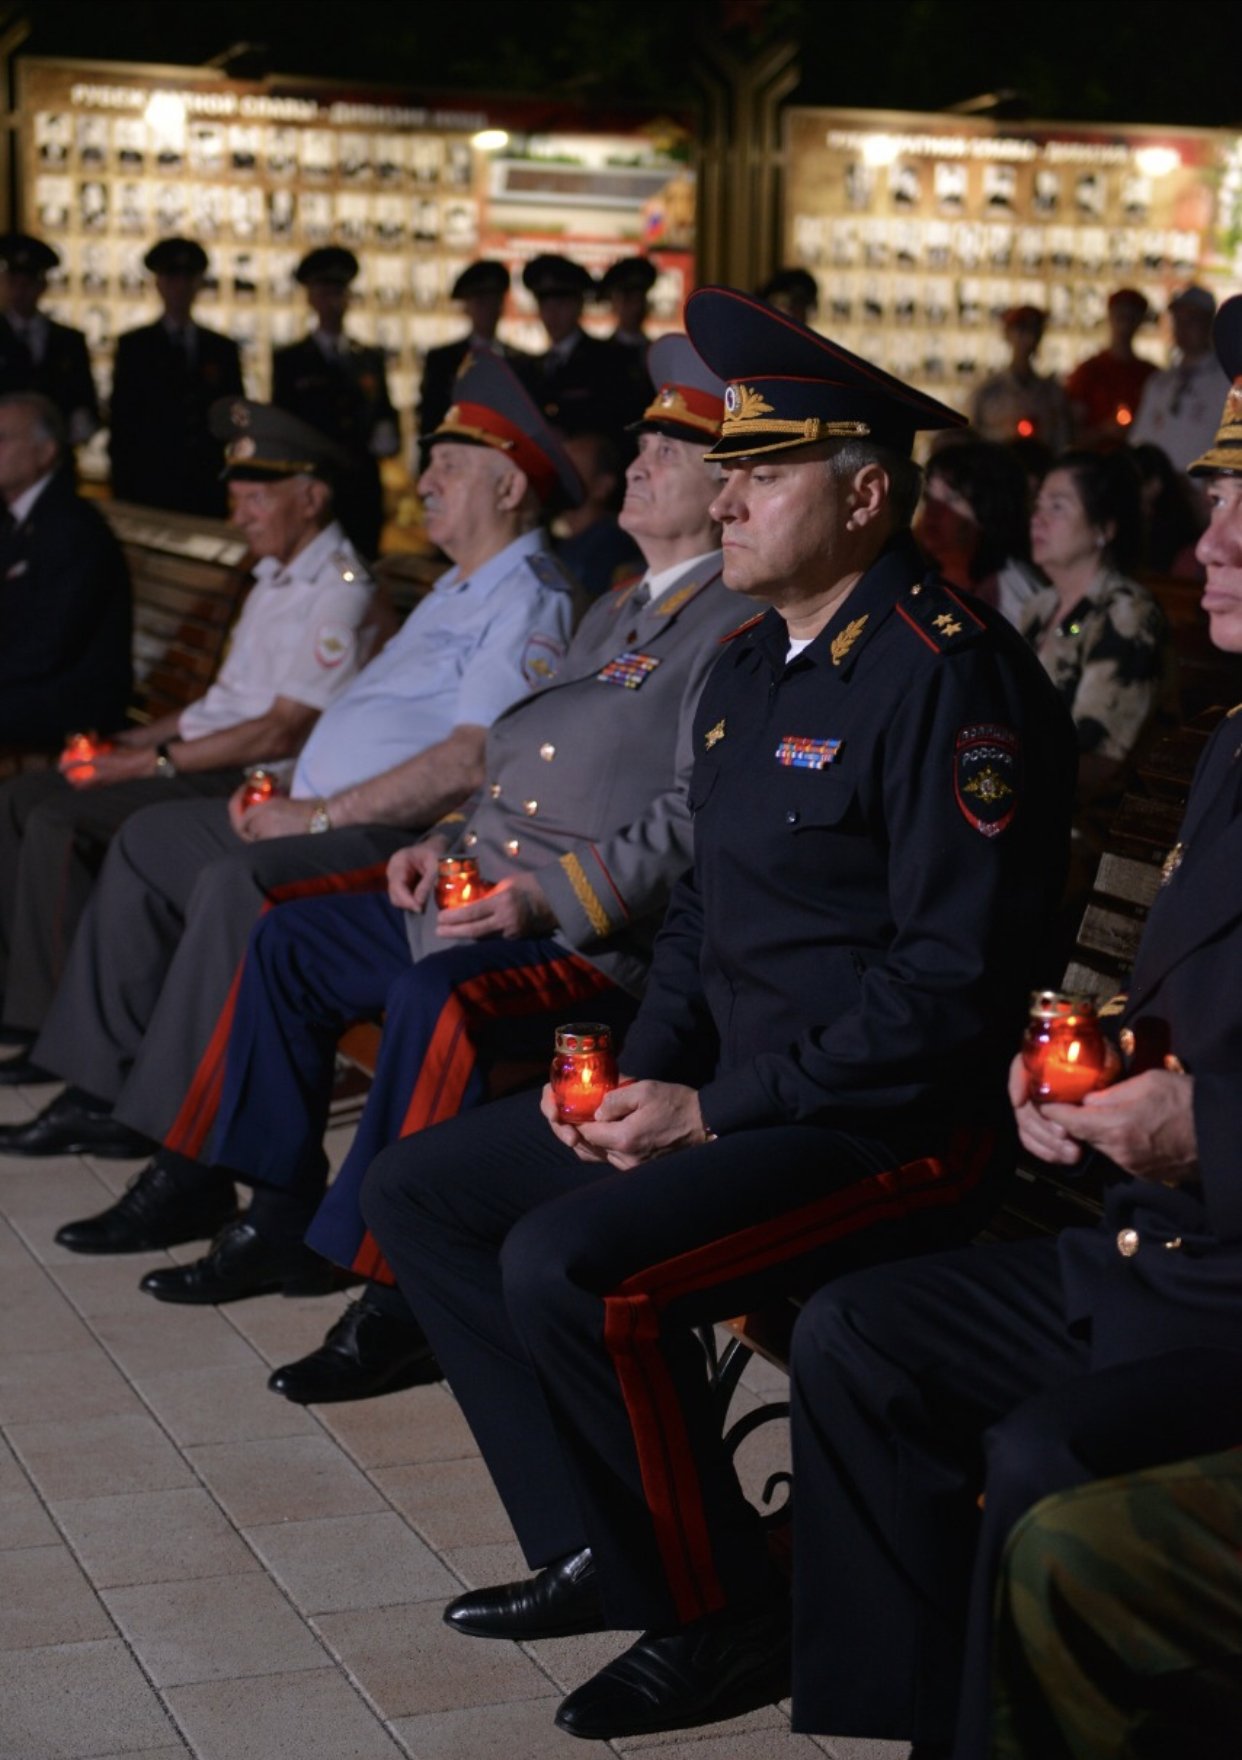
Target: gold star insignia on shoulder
<point x="1172" y="862"/>
<point x="714" y="735"/>
<point x="844" y="640"/>
<point x="948" y="624"/>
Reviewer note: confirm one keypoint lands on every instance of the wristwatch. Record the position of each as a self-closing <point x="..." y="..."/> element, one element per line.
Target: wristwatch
<point x="319" y="819"/>
<point x="164" y="765"/>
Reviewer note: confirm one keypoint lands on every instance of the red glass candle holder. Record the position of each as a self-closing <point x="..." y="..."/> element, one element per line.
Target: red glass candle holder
<point x="1063" y="1049"/>
<point x="584" y="1069"/>
<point x="260" y="786"/>
<point x="82" y="748"/>
<point x="458" y="882"/>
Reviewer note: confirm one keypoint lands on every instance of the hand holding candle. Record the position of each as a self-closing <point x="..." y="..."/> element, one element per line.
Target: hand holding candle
<point x="458" y="882"/>
<point x="79" y="754"/>
<point x="259" y="786"/>
<point x="584" y="1069"/>
<point x="1064" y="1052"/>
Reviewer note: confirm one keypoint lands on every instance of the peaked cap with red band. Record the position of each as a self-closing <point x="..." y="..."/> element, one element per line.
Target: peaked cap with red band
<point x="491" y="408"/>
<point x="787" y="386"/>
<point x="1224" y="455"/>
<point x="689" y="399"/>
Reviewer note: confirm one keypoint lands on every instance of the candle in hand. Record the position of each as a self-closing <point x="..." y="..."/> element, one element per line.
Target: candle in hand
<point x="583" y="1070"/>
<point x="1063" y="1050"/>
<point x="458" y="882"/>
<point x="260" y="786"/>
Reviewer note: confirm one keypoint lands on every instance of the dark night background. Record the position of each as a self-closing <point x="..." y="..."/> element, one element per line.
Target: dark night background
<point x="1092" y="60"/>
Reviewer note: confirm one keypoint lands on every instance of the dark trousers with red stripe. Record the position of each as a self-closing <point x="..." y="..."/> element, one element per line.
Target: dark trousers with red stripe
<point x="916" y="1387"/>
<point x="561" y="1297"/>
<point x="316" y="965"/>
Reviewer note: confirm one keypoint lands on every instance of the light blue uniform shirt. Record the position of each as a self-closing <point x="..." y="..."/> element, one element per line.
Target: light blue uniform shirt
<point x="465" y="653"/>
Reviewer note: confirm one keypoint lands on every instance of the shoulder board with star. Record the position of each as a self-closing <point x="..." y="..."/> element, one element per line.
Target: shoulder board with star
<point x="938" y="616"/>
<point x="742" y="628"/>
<point x="626" y="584"/>
<point x="548" y="571"/>
<point x="348" y="567"/>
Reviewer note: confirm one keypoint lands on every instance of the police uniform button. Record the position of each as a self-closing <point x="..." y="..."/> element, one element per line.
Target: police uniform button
<point x="1174" y="1245"/>
<point x="513" y="847"/>
<point x="547" y="752"/>
<point x="470" y="839"/>
<point x="792" y="816"/>
<point x="1128" y="1242"/>
<point x="530" y="808"/>
<point x="494" y="791"/>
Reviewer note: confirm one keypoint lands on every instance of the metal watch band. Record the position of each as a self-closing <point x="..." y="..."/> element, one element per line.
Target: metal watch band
<point x="319" y="819"/>
<point x="164" y="765"/>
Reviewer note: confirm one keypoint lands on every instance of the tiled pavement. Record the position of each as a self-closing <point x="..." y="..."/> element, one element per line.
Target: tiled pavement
<point x="190" y="1565"/>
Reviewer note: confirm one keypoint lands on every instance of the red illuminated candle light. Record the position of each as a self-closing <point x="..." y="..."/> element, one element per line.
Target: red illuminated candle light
<point x="1026" y="428"/>
<point x="1125" y="415"/>
<point x="1063" y="1050"/>
<point x="260" y="787"/>
<point x="583" y="1070"/>
<point x="458" y="882"/>
<point x="82" y="748"/>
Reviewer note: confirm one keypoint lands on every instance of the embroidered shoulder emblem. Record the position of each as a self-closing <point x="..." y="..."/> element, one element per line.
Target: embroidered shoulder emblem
<point x="714" y="735"/>
<point x="844" y="640"/>
<point x="985" y="777"/>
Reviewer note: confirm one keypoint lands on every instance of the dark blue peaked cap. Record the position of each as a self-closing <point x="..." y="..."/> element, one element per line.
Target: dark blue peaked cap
<point x="787" y="386"/>
<point x="1225" y="452"/>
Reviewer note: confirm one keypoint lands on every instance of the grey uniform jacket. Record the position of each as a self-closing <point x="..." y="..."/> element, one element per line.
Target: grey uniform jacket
<point x="586" y="780"/>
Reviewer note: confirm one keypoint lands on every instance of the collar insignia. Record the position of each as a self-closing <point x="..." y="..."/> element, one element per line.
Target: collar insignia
<point x="714" y="735"/>
<point x="844" y="640"/>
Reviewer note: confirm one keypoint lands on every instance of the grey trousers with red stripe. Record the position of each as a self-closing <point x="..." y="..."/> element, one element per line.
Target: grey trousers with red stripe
<point x="561" y="1297"/>
<point x="142" y="1013"/>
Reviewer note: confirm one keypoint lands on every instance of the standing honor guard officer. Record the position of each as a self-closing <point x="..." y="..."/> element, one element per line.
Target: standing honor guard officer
<point x="626" y="285"/>
<point x="1002" y="1375"/>
<point x="480" y="290"/>
<point x="167" y="377"/>
<point x="816" y="1075"/>
<point x="37" y="353"/>
<point x="340" y="387"/>
<point x="585" y="385"/>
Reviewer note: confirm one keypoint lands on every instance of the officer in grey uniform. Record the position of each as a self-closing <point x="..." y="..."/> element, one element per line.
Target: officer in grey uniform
<point x="298" y="642"/>
<point x="403" y="745"/>
<point x="583" y="826"/>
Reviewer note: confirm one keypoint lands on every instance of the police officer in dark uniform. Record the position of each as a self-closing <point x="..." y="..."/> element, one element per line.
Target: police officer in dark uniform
<point x="37" y="353"/>
<point x="1024" y="1369"/>
<point x="585" y="385"/>
<point x="480" y="290"/>
<point x="793" y="291"/>
<point x="881" y="795"/>
<point x="626" y="285"/>
<point x="340" y="388"/>
<point x="167" y="376"/>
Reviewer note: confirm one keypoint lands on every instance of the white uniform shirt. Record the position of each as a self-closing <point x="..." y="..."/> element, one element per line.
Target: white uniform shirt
<point x="300" y="635"/>
<point x="465" y="653"/>
<point x="1180" y="409"/>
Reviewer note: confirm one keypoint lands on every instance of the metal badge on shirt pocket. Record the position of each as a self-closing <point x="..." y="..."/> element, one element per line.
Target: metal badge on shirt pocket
<point x="629" y="670"/>
<point x="797" y="752"/>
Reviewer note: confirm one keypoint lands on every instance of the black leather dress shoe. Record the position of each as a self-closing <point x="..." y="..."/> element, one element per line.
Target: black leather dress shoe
<point x="74" y="1124"/>
<point x="22" y="1070"/>
<point x="155" y="1210"/>
<point x="562" y="1600"/>
<point x="715" y="1668"/>
<point x="242" y="1263"/>
<point x="365" y="1353"/>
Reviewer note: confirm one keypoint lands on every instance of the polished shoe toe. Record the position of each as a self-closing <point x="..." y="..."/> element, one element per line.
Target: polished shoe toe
<point x="75" y="1123"/>
<point x="716" y="1668"/>
<point x="367" y="1352"/>
<point x="241" y="1263"/>
<point x="155" y="1210"/>
<point x="559" y="1602"/>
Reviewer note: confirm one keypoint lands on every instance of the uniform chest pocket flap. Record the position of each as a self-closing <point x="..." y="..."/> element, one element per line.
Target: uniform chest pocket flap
<point x="811" y="800"/>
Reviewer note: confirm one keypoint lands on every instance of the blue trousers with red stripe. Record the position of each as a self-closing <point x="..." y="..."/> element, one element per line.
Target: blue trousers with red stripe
<point x="561" y="1297"/>
<point x="316" y="965"/>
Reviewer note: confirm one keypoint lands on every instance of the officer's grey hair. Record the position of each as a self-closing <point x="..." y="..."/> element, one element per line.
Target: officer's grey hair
<point x="905" y="478"/>
<point x="46" y="419"/>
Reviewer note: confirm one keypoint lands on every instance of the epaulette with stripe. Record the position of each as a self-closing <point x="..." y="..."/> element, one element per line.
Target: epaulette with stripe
<point x="547" y="570"/>
<point x="743" y="627"/>
<point x="938" y="616"/>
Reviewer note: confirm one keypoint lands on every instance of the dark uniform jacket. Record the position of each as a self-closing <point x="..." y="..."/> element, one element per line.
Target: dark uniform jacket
<point x="881" y="828"/>
<point x="1177" y="1279"/>
<point x="64" y="373"/>
<point x="598" y="388"/>
<point x="345" y="398"/>
<point x="440" y="369"/>
<point x="586" y="779"/>
<point x="163" y="454"/>
<point x="64" y="621"/>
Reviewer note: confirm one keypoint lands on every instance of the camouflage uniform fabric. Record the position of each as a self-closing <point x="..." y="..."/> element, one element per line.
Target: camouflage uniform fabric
<point x="1119" y="1611"/>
